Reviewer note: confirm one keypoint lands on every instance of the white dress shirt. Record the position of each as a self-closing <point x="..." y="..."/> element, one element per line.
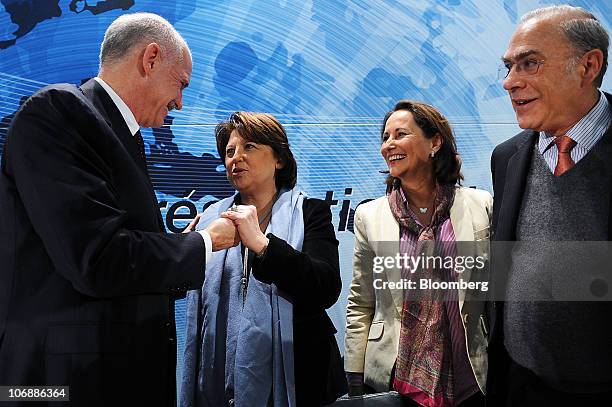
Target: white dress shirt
<point x="132" y="124"/>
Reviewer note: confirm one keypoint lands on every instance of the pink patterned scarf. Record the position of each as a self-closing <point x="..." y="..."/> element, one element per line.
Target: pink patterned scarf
<point x="424" y="370"/>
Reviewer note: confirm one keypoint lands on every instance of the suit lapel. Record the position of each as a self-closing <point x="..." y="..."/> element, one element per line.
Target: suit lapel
<point x="461" y="220"/>
<point x="515" y="179"/>
<point x="388" y="241"/>
<point x="514" y="188"/>
<point x="107" y="108"/>
<point x="608" y="143"/>
<point x="102" y="101"/>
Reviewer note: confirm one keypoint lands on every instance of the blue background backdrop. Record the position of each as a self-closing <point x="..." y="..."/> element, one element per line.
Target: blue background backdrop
<point x="328" y="69"/>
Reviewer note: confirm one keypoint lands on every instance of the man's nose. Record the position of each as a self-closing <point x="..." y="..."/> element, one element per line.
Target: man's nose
<point x="512" y="80"/>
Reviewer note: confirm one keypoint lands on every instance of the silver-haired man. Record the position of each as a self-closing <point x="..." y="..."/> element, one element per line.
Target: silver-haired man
<point x="552" y="185"/>
<point x="88" y="276"/>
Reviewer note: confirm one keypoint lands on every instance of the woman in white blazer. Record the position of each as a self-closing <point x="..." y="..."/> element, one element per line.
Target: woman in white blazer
<point x="429" y="345"/>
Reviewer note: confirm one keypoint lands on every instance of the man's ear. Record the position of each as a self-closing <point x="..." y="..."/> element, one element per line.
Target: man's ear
<point x="280" y="164"/>
<point x="591" y="65"/>
<point x="151" y="58"/>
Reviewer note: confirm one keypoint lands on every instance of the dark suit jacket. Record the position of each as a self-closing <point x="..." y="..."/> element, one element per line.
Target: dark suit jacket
<point x="87" y="278"/>
<point x="312" y="279"/>
<point x="509" y="167"/>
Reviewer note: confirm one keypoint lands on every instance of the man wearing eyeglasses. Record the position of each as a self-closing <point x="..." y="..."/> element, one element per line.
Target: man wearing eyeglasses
<point x="552" y="185"/>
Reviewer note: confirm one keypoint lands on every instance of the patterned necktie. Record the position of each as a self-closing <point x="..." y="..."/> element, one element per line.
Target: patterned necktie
<point x="140" y="144"/>
<point x="564" y="161"/>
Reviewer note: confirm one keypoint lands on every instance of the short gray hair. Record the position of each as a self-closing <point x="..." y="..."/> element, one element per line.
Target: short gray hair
<point x="582" y="30"/>
<point x="130" y="30"/>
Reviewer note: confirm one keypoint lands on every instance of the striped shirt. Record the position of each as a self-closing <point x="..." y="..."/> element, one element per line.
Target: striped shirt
<point x="586" y="133"/>
<point x="465" y="384"/>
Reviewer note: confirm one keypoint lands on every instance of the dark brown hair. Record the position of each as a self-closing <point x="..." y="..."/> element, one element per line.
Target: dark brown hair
<point x="447" y="162"/>
<point x="261" y="128"/>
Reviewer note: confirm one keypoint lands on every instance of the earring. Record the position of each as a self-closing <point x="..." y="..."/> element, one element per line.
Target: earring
<point x="433" y="153"/>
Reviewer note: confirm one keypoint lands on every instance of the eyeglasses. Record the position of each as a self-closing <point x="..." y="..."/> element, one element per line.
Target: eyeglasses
<point x="524" y="67"/>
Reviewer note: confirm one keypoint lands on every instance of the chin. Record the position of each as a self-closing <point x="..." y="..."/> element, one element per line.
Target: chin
<point x="522" y="125"/>
<point x="396" y="173"/>
<point x="150" y="125"/>
<point x="158" y="123"/>
<point x="238" y="184"/>
<point x="527" y="121"/>
<point x="528" y="125"/>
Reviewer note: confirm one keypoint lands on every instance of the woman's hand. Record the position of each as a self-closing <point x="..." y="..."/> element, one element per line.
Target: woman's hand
<point x="247" y="223"/>
<point x="193" y="224"/>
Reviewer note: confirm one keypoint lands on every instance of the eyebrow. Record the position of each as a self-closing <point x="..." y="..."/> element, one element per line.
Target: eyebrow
<point x="521" y="55"/>
<point x="386" y="133"/>
<point x="398" y="129"/>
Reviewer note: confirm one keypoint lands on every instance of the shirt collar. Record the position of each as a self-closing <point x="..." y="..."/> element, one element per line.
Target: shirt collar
<point x="588" y="130"/>
<point x="125" y="111"/>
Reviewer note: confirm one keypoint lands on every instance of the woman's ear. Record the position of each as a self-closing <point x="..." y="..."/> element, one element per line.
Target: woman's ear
<point x="280" y="164"/>
<point x="436" y="142"/>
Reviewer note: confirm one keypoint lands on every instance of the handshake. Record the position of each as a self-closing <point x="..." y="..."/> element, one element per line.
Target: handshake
<point x="238" y="224"/>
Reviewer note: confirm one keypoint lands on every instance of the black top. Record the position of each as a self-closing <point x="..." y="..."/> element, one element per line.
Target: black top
<point x="312" y="279"/>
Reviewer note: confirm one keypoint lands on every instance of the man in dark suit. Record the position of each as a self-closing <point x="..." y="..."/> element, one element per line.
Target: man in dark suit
<point x="88" y="277"/>
<point x="552" y="183"/>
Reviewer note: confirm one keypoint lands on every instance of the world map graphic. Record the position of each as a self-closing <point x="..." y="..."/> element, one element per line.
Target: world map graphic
<point x="327" y="69"/>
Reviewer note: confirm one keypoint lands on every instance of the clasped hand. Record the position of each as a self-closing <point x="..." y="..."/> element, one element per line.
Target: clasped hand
<point x="246" y="221"/>
<point x="234" y="226"/>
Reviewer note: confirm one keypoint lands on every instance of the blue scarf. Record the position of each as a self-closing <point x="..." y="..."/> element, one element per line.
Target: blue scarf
<point x="235" y="352"/>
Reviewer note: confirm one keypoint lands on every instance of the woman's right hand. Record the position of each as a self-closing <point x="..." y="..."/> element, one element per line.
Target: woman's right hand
<point x="246" y="221"/>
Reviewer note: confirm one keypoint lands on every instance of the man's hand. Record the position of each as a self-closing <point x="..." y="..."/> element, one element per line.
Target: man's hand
<point x="193" y="224"/>
<point x="223" y="234"/>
